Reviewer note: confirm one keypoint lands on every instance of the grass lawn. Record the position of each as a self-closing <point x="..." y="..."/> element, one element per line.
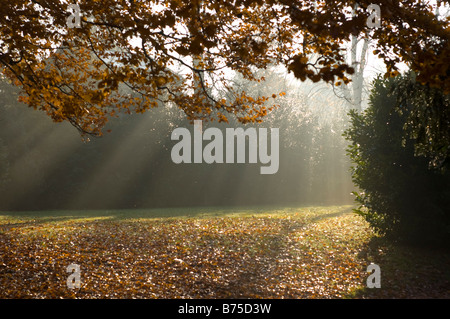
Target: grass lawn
<point x="254" y="252"/>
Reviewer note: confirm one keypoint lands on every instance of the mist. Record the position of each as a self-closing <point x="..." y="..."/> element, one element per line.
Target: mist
<point x="48" y="165"/>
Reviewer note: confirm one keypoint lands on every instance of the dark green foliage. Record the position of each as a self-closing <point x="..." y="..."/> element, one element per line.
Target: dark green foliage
<point x="4" y="164"/>
<point x="401" y="196"/>
<point x="428" y="119"/>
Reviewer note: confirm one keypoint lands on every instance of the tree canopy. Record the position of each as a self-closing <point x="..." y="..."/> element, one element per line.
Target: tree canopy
<point x="128" y="55"/>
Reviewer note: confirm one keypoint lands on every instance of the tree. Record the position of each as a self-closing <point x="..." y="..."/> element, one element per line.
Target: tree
<point x="428" y="119"/>
<point x="400" y="195"/>
<point x="4" y="164"/>
<point x="75" y="73"/>
<point x="352" y="92"/>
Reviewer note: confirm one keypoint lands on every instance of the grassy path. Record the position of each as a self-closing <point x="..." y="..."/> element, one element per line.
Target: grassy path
<point x="309" y="252"/>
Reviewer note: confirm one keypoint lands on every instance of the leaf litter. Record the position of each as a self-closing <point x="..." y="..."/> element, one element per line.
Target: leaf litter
<point x="299" y="254"/>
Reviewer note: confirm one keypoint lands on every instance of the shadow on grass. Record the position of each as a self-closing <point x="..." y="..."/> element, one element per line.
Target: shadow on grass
<point x="27" y="218"/>
<point x="339" y="213"/>
<point x="407" y="272"/>
<point x="132" y="213"/>
<point x="119" y="214"/>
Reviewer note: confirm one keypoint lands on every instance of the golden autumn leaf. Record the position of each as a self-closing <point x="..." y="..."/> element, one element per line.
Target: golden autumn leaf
<point x="136" y="47"/>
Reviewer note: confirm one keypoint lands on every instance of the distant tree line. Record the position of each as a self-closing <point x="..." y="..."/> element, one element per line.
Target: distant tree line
<point x="46" y="165"/>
